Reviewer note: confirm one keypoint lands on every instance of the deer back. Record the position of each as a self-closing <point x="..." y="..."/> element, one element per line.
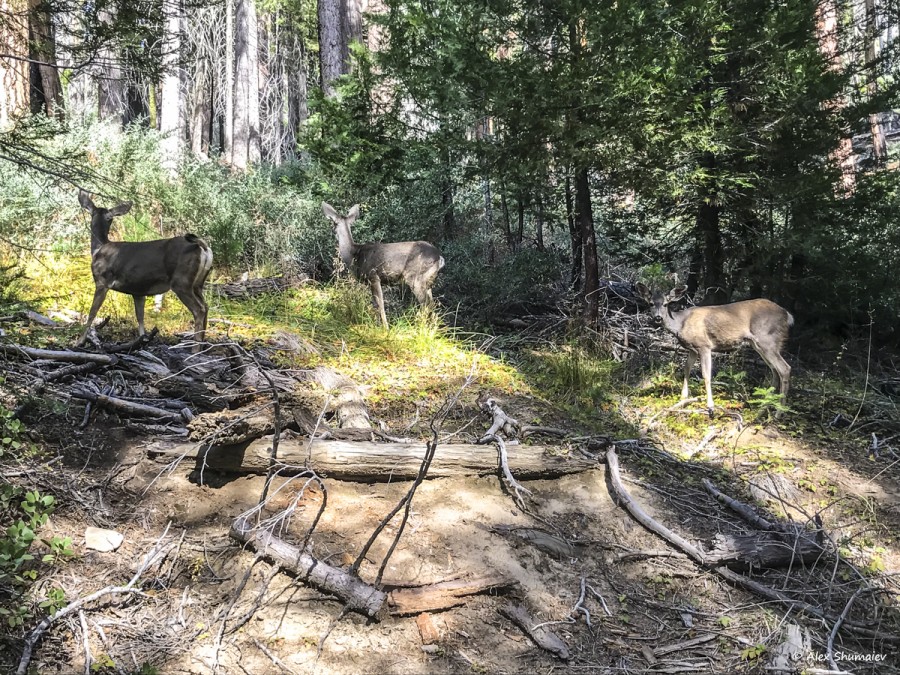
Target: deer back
<point x="398" y="261"/>
<point x="726" y="327"/>
<point x="150" y="267"/>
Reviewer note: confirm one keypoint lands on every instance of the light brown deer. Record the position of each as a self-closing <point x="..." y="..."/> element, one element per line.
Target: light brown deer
<point x="415" y="263"/>
<point x="139" y="269"/>
<point x="702" y="330"/>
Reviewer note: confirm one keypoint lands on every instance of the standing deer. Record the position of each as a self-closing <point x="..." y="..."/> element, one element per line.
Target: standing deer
<point x="180" y="264"/>
<point x="416" y="263"/>
<point x="703" y="330"/>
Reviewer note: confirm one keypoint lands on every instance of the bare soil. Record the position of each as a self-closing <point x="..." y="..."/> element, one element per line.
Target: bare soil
<point x="275" y="623"/>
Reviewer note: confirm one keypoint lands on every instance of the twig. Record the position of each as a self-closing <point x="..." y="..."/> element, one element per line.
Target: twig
<point x="278" y="662"/>
<point x="76" y="605"/>
<point x="829" y="652"/>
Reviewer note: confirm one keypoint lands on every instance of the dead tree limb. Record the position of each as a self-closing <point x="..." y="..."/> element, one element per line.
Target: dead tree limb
<point x="43" y="626"/>
<point x="444" y="595"/>
<point x="55" y="355"/>
<point x="359" y="596"/>
<point x="612" y="461"/>
<point x="128" y="407"/>
<point x="542" y="637"/>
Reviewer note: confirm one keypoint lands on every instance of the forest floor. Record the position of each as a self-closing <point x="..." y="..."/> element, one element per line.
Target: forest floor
<point x="210" y="604"/>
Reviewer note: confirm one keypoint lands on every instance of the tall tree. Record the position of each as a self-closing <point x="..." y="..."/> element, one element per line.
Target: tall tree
<point x="171" y="109"/>
<point x="245" y="148"/>
<point x="331" y="43"/>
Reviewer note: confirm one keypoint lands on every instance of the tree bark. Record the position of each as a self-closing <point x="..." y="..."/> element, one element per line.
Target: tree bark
<point x="44" y="51"/>
<point x="245" y="141"/>
<point x="171" y="107"/>
<point x="110" y="83"/>
<point x="575" y="238"/>
<point x="331" y="48"/>
<point x="710" y="235"/>
<point x="367" y="461"/>
<point x="879" y="143"/>
<point x="585" y="217"/>
<point x="228" y="94"/>
<point x="14" y="69"/>
<point x="351" y="29"/>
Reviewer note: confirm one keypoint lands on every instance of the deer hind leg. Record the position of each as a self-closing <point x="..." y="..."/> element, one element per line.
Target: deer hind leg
<point x="139" y="301"/>
<point x="688" y="364"/>
<point x="778" y="366"/>
<point x="197" y="307"/>
<point x="375" y="285"/>
<point x="99" y="297"/>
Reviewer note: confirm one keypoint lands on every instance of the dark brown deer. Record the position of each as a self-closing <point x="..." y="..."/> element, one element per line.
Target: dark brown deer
<point x="139" y="269"/>
<point x="702" y="330"/>
<point x="415" y="263"/>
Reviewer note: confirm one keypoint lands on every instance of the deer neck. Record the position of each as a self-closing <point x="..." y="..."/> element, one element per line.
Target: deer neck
<point x="346" y="246"/>
<point x="99" y="234"/>
<point x="674" y="320"/>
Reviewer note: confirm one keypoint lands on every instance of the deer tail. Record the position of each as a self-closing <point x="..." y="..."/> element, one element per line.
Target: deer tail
<point x="206" y="257"/>
<point x="790" y="319"/>
<point x="441" y="262"/>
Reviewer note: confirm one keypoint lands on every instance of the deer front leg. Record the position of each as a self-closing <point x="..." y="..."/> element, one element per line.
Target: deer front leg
<point x="706" y="369"/>
<point x="375" y="285"/>
<point x="139" y="301"/>
<point x="99" y="297"/>
<point x="688" y="364"/>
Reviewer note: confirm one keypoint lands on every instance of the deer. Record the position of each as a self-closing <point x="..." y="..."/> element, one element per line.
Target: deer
<point x="180" y="264"/>
<point x="415" y="263"/>
<point x="760" y="323"/>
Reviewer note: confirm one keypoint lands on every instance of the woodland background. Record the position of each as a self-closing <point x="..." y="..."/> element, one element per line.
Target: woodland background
<point x="543" y="146"/>
<point x="555" y="151"/>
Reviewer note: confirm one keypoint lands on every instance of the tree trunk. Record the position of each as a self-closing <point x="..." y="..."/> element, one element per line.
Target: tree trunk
<point x="228" y="94"/>
<point x="827" y="29"/>
<point x="14" y="70"/>
<point x="520" y="214"/>
<point x="351" y="29"/>
<point x="44" y="51"/>
<point x="330" y="43"/>
<point x="245" y="141"/>
<point x="539" y="224"/>
<point x="297" y="86"/>
<point x="575" y="237"/>
<point x="585" y="218"/>
<point x="448" y="215"/>
<point x="710" y="235"/>
<point x="879" y="143"/>
<point x="170" y="109"/>
<point x="110" y="83"/>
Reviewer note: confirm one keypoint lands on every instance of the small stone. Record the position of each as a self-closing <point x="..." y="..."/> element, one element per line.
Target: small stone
<point x="98" y="539"/>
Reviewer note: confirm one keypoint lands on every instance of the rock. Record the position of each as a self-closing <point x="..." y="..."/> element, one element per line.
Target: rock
<point x="98" y="539"/>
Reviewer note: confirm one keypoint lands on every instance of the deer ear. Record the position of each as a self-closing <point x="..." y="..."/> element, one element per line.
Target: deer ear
<point x="85" y="200"/>
<point x="677" y="293"/>
<point x="642" y="290"/>
<point x="329" y="211"/>
<point x="119" y="210"/>
<point x="353" y="214"/>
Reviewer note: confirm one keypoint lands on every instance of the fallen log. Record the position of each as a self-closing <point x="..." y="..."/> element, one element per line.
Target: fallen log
<point x="357" y="595"/>
<point x="443" y="595"/>
<point x="346" y="399"/>
<point x="368" y="461"/>
<point x="58" y="355"/>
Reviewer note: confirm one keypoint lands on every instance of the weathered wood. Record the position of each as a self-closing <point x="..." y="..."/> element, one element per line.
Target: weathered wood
<point x="369" y="461"/>
<point x="231" y="427"/>
<point x="443" y="595"/>
<point x="764" y="550"/>
<point x="58" y="355"/>
<point x="543" y="638"/>
<point x="204" y="395"/>
<point x="129" y="407"/>
<point x="346" y="399"/>
<point x="638" y="513"/>
<point x="355" y="593"/>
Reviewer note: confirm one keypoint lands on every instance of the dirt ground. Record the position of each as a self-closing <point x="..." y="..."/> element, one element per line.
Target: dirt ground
<point x="640" y="600"/>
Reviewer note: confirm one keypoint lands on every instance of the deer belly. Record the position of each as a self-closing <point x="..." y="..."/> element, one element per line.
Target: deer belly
<point x="136" y="288"/>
